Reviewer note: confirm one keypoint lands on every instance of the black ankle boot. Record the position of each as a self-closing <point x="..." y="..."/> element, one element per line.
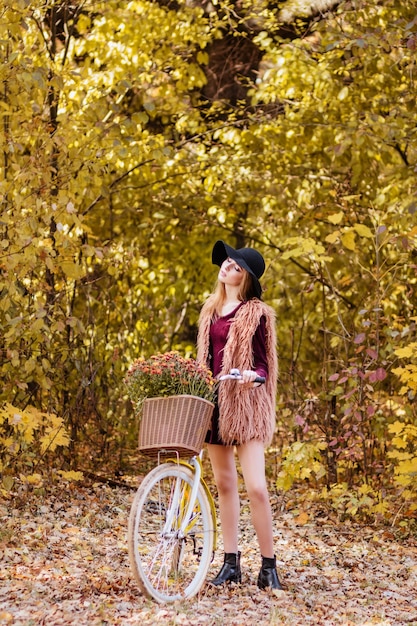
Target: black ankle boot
<point x="268" y="576"/>
<point x="230" y="571"/>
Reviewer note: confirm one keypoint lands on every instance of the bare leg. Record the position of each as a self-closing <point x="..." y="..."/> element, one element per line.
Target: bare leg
<point x="252" y="461"/>
<point x="225" y="475"/>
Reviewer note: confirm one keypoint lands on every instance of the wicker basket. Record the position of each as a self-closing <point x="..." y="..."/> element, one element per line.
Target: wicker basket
<point x="177" y="423"/>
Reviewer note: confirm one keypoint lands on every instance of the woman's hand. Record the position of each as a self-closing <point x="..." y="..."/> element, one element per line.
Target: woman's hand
<point x="248" y="376"/>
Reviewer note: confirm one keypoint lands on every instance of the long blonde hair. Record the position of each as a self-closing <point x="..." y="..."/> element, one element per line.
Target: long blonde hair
<point x="218" y="297"/>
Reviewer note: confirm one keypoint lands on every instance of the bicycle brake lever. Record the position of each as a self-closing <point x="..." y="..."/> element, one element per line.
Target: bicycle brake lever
<point x="235" y="374"/>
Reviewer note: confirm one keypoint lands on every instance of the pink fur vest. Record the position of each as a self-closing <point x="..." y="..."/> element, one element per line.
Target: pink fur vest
<point x="245" y="413"/>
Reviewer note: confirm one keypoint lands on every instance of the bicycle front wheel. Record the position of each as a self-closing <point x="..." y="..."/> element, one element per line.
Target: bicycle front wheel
<point x="169" y="555"/>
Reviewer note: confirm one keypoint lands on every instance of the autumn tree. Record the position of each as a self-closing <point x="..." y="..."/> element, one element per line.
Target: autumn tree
<point x="126" y="150"/>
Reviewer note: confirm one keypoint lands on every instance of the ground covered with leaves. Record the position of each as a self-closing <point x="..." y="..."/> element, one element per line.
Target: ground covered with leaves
<point x="63" y="560"/>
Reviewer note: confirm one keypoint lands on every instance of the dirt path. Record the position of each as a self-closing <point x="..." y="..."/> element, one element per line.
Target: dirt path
<point x="63" y="560"/>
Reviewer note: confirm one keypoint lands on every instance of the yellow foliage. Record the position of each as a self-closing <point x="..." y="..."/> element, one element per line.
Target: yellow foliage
<point x="301" y="460"/>
<point x="365" y="489"/>
<point x="304" y="246"/>
<point x="360" y="501"/>
<point x="26" y="422"/>
<point x="407" y="373"/>
<point x="381" y="507"/>
<point x="397" y="455"/>
<point x="406" y="461"/>
<point x="408" y="376"/>
<point x="55" y="435"/>
<point x="71" y="475"/>
<point x="35" y="479"/>
<point x="409" y="467"/>
<point x="363" y="231"/>
<point x="30" y="434"/>
<point x="305" y="472"/>
<point x="348" y="240"/>
<point x="333" y="237"/>
<point x="408" y="351"/>
<point x="73" y="270"/>
<point x="396" y="427"/>
<point x="399" y="442"/>
<point x="202" y="57"/>
<point x="406" y="472"/>
<point x="336" y="218"/>
<point x="407" y="494"/>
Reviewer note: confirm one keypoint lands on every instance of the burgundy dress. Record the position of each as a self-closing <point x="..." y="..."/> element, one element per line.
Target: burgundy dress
<point x="219" y="331"/>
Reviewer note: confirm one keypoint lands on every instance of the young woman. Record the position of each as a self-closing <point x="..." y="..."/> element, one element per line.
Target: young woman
<point x="237" y="330"/>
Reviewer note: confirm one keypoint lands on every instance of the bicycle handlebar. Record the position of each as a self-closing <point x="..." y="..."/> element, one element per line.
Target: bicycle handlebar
<point x="236" y="375"/>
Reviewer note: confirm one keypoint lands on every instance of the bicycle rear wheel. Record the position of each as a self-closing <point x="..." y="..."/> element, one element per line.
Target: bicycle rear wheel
<point x="169" y="563"/>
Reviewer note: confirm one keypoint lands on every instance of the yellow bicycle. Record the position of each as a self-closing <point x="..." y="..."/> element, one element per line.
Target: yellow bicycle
<point x="172" y="531"/>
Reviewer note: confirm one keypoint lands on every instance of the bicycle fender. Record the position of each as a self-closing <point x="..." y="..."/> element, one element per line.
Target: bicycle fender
<point x="208" y="494"/>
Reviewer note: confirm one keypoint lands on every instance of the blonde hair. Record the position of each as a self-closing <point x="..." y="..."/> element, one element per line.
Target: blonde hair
<point x="218" y="297"/>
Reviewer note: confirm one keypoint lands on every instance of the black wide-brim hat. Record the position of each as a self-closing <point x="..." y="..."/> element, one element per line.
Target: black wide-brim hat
<point x="251" y="260"/>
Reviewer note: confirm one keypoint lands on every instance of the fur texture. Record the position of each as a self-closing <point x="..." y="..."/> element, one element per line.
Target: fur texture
<point x="245" y="413"/>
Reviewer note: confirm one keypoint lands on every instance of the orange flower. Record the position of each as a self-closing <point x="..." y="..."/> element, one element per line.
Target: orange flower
<point x="167" y="374"/>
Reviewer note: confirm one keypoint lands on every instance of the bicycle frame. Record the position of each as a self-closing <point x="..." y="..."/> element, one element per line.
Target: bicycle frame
<point x="195" y="465"/>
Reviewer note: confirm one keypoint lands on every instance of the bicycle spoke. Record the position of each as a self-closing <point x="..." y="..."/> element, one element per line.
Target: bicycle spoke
<point x="170" y="554"/>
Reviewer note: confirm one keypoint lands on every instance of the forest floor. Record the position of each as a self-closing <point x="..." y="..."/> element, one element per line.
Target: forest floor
<point x="64" y="560"/>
